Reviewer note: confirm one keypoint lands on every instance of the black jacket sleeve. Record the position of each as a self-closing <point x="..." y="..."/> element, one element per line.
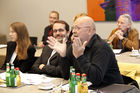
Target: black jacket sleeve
<point x="66" y="62"/>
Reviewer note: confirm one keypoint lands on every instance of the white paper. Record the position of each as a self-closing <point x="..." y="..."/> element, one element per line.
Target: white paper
<point x="2" y="76"/>
<point x="117" y="51"/>
<point x="3" y="45"/>
<point x="34" y="79"/>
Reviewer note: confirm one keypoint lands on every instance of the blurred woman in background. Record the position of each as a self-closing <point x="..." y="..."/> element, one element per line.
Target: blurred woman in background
<point x="20" y="52"/>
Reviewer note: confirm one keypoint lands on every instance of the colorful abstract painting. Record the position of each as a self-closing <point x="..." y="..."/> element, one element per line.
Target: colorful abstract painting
<point x="110" y="10"/>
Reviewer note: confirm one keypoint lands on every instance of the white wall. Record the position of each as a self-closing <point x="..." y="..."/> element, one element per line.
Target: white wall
<point x="34" y="13"/>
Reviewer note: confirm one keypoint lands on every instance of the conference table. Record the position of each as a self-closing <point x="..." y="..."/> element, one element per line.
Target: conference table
<point x="129" y="66"/>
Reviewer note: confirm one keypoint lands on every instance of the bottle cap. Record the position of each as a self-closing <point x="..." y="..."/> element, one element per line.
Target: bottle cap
<point x="77" y="74"/>
<point x="17" y="68"/>
<point x="83" y="74"/>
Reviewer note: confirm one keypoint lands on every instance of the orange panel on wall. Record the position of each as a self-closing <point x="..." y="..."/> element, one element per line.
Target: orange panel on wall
<point x="95" y="11"/>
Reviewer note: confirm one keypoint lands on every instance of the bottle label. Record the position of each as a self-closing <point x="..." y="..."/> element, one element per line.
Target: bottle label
<point x="15" y="82"/>
<point x="12" y="67"/>
<point x="76" y="89"/>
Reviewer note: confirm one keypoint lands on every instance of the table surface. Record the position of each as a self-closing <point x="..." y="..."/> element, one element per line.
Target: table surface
<point x="126" y="58"/>
<point x="23" y="89"/>
<point x="122" y="58"/>
<point x="33" y="88"/>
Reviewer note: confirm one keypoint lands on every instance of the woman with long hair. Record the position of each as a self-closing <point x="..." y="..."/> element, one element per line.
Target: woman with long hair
<point x="20" y="52"/>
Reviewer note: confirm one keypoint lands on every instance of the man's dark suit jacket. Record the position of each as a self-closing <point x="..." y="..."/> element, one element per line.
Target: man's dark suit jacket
<point x="53" y="69"/>
<point x="24" y="65"/>
<point x="46" y="34"/>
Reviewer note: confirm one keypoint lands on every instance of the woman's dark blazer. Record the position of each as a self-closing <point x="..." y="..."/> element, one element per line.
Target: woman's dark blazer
<point x="24" y="65"/>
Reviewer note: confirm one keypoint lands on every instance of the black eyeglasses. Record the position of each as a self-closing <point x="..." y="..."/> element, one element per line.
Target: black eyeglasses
<point x="60" y="30"/>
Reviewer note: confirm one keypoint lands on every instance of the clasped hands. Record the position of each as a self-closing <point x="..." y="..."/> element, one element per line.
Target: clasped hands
<point x="119" y="34"/>
<point x="77" y="46"/>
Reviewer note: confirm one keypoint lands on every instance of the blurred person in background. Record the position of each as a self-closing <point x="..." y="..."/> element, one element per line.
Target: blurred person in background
<point x="53" y="16"/>
<point x="20" y="52"/>
<point x="125" y="36"/>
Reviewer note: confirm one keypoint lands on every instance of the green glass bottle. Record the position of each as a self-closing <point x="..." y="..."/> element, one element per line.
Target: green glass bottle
<point x="13" y="76"/>
<point x="71" y="67"/>
<point x="8" y="83"/>
<point x="73" y="83"/>
<point x="72" y="70"/>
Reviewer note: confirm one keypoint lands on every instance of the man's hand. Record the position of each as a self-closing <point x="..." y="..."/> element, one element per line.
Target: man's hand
<point x="57" y="46"/>
<point x="41" y="66"/>
<point x="41" y="44"/>
<point x="78" y="47"/>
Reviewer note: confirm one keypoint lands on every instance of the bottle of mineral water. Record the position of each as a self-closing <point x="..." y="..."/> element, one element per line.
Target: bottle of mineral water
<point x="13" y="76"/>
<point x="8" y="83"/>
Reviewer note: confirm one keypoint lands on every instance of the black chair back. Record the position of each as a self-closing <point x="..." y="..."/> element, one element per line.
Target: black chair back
<point x="33" y="40"/>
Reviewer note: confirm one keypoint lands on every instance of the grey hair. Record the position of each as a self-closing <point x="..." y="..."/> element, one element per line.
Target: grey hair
<point x="129" y="19"/>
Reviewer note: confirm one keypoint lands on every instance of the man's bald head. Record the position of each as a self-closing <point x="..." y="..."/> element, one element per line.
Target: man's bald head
<point x="84" y="28"/>
<point x="86" y="21"/>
